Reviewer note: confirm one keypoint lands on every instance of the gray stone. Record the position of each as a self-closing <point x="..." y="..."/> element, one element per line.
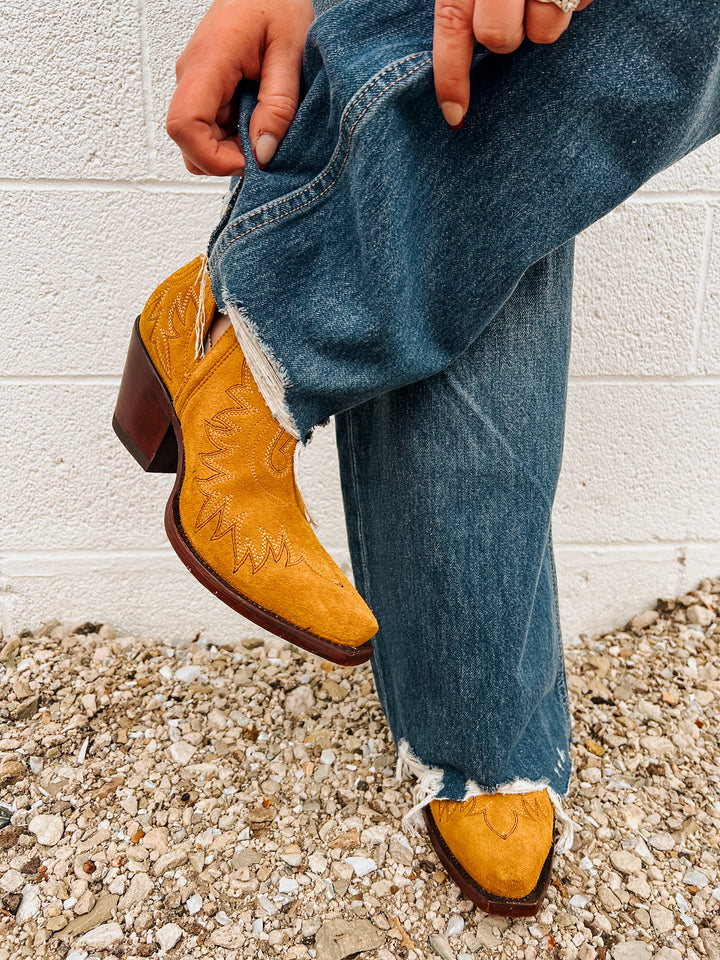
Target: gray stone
<point x="300" y="701"/>
<point x="441" y="946"/>
<point x="711" y="942"/>
<point x="662" y="919"/>
<point x="339" y="938"/>
<point x="232" y="936"/>
<point x="141" y="886"/>
<point x="29" y="905"/>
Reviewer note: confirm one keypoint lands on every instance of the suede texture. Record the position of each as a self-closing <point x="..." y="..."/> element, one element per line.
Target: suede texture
<point x="240" y="508"/>
<point x="501" y="839"/>
<point x="167" y="323"/>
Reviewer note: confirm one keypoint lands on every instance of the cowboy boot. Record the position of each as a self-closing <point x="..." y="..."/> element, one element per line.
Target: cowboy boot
<point x="235" y="516"/>
<point x="497" y="847"/>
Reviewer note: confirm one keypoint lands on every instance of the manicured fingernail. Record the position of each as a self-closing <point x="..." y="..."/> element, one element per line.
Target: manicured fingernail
<point x="265" y="148"/>
<point x="453" y="113"/>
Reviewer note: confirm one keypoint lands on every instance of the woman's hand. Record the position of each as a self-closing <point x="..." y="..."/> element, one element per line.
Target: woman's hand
<point x="499" y="25"/>
<point x="257" y="39"/>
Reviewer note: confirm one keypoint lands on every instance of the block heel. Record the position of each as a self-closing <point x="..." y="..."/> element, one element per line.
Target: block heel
<point x="143" y="412"/>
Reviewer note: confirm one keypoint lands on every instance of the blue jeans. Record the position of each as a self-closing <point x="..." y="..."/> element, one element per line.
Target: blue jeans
<point x="415" y="283"/>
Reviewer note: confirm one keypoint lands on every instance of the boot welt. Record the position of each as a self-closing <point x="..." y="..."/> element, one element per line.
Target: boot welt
<point x="526" y="906"/>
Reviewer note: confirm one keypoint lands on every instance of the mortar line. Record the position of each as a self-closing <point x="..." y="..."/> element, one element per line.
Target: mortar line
<point x="112" y="379"/>
<point x="159" y="553"/>
<point x="702" y="289"/>
<point x="674" y="196"/>
<point x="141" y="185"/>
<point x="147" y="87"/>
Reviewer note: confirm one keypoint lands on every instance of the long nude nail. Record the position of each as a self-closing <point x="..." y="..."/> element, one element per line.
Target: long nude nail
<point x="265" y="148"/>
<point x="454" y="114"/>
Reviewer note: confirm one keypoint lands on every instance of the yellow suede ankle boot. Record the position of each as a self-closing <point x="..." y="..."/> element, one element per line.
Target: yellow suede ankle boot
<point x="235" y="516"/>
<point x="497" y="847"/>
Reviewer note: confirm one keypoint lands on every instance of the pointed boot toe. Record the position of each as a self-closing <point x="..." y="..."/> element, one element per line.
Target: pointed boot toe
<point x="498" y="848"/>
<point x="235" y="516"/>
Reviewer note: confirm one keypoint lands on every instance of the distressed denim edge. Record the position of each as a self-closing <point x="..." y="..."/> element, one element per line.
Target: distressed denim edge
<point x="429" y="785"/>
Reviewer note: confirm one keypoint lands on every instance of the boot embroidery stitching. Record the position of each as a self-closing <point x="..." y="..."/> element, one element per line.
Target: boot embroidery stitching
<point x="177" y="314"/>
<point x="499" y="833"/>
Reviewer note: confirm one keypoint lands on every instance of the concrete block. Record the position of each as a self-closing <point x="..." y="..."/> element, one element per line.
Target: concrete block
<point x="700" y="170"/>
<point x="67" y="482"/>
<point x="140" y="596"/>
<point x="84" y="263"/>
<point x="169" y="24"/>
<point x="600" y="589"/>
<point x="72" y="91"/>
<point x="641" y="465"/>
<point x="708" y="361"/>
<point x="636" y="286"/>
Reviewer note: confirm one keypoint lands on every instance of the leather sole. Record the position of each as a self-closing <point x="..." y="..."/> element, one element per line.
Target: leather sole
<point x="526" y="906"/>
<point x="148" y="427"/>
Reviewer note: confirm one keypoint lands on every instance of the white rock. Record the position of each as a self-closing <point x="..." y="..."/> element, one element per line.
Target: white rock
<point x="327" y="756"/>
<point x="662" y="841"/>
<point x="400" y="850"/>
<point x="47" y="828"/>
<point x="258" y="926"/>
<point x="288" y="885"/>
<point x="700" y="615"/>
<point x="181" y="752"/>
<point x="361" y="865"/>
<point x="12" y="881"/>
<point x="455" y="926"/>
<point x="632" y="950"/>
<point x="579" y="901"/>
<point x="194" y="904"/>
<point x="668" y="953"/>
<point x="77" y="955"/>
<point x="441" y="946"/>
<point x="695" y="878"/>
<point x="230" y="936"/>
<point x="662" y="919"/>
<point x="168" y="935"/>
<point x="189" y="673"/>
<point x="300" y="701"/>
<point x="29" y="905"/>
<point x="104" y="937"/>
<point x="625" y="862"/>
<point x="317" y="863"/>
<point x="141" y="886"/>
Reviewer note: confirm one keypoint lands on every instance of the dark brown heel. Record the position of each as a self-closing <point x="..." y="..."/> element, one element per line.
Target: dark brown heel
<point x="142" y="417"/>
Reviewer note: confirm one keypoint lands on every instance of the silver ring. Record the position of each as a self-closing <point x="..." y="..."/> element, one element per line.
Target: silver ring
<point x="567" y="6"/>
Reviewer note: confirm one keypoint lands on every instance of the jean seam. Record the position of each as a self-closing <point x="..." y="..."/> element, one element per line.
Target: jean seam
<point x="556" y="630"/>
<point x="342" y="150"/>
<point x="352" y="451"/>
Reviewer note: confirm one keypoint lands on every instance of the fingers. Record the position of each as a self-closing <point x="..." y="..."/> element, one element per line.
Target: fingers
<point x="452" y="54"/>
<point x="496" y="24"/>
<point x="277" y="99"/>
<point x="191" y="123"/>
<point x="545" y="22"/>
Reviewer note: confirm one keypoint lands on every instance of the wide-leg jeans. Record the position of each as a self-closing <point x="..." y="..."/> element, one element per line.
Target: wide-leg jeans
<point x="415" y="282"/>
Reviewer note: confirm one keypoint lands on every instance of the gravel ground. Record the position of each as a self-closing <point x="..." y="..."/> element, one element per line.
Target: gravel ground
<point x="195" y="801"/>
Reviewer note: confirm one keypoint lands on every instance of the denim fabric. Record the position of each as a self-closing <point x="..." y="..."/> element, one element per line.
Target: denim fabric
<point x="448" y="486"/>
<point x="417" y="282"/>
<point x="378" y="243"/>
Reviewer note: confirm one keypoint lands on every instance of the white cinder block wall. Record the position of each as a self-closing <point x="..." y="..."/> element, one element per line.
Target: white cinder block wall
<point x="97" y="208"/>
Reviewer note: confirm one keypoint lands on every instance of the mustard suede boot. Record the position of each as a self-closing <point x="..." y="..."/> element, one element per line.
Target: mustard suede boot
<point x="497" y="847"/>
<point x="235" y="516"/>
